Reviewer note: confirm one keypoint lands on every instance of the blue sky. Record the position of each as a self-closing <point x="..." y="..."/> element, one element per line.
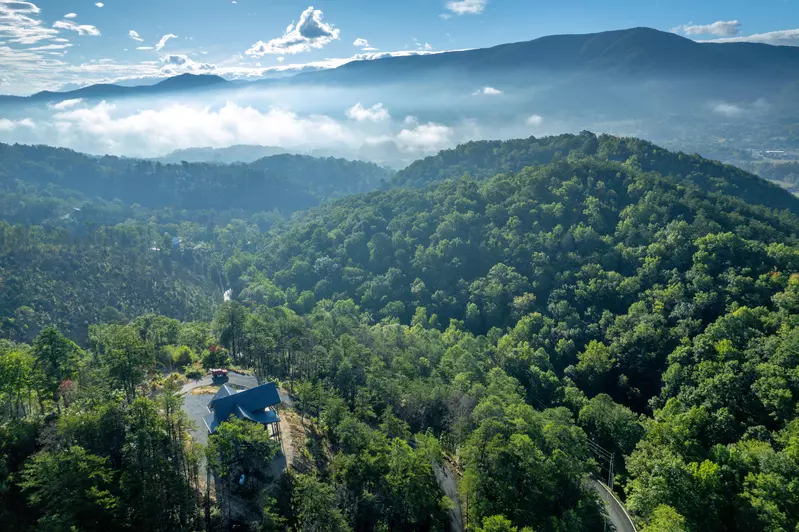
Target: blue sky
<point x="47" y="44"/>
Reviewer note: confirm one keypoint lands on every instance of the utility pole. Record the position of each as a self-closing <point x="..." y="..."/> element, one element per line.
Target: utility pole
<point x="611" y="476"/>
<point x="607" y="460"/>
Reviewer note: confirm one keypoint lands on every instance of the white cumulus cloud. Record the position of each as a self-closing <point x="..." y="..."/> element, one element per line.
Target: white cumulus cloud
<point x="777" y="38"/>
<point x="18" y="23"/>
<point x="49" y="47"/>
<point x="135" y="36"/>
<point x="163" y="41"/>
<point x="11" y="125"/>
<point x="105" y="128"/>
<point x="178" y="63"/>
<point x="535" y="120"/>
<point x="71" y="15"/>
<point x="309" y="33"/>
<point x="721" y="28"/>
<point x="364" y="45"/>
<point x="487" y="91"/>
<point x="99" y="4"/>
<point x="81" y="29"/>
<point x="426" y="137"/>
<point x="66" y="104"/>
<point x="727" y="109"/>
<point x="376" y="113"/>
<point x="467" y="7"/>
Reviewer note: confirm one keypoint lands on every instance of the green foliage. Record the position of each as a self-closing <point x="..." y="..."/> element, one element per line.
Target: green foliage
<point x="315" y="506"/>
<point x="665" y="519"/>
<point x="239" y="446"/>
<point x="499" y="523"/>
<point x="616" y="292"/>
<point x="70" y="489"/>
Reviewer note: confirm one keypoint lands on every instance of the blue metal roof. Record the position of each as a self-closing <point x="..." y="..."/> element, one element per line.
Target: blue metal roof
<point x="248" y="404"/>
<point x="224" y="391"/>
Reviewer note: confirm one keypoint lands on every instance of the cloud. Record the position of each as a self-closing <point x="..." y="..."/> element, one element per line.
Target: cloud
<point x="467" y="7"/>
<point x="105" y="128"/>
<point x="20" y="7"/>
<point x="28" y="72"/>
<point x="311" y="32"/>
<point x="364" y="45"/>
<point x="376" y="113"/>
<point x="727" y="109"/>
<point x="135" y="36"/>
<point x="49" y="47"/>
<point x="426" y="137"/>
<point x="81" y="29"/>
<point x="163" y="41"/>
<point x="777" y="38"/>
<point x="721" y="28"/>
<point x="71" y="15"/>
<point x="18" y="24"/>
<point x="178" y="63"/>
<point x="66" y="104"/>
<point x="487" y="91"/>
<point x="11" y="125"/>
<point x="535" y="120"/>
<point x="99" y="4"/>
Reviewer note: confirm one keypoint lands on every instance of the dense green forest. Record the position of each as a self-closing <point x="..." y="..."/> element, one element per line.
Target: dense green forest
<point x="501" y="326"/>
<point x="285" y="182"/>
<point x="485" y="159"/>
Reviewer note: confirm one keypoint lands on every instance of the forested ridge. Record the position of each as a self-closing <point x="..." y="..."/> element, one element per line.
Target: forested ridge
<point x="285" y="182"/>
<point x="485" y="159"/>
<point x="618" y="295"/>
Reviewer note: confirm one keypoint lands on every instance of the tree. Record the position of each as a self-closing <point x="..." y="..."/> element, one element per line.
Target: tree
<point x="314" y="503"/>
<point x="229" y="322"/>
<point x="57" y="359"/>
<point x="413" y="493"/>
<point x="500" y="523"/>
<point x="240" y="447"/>
<point x="665" y="519"/>
<point x="126" y="356"/>
<point x="71" y="490"/>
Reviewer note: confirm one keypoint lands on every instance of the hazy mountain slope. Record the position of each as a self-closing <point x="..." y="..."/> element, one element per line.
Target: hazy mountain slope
<point x="231" y="154"/>
<point x="183" y="82"/>
<point x="287" y="183"/>
<point x="484" y="159"/>
<point x="639" y="52"/>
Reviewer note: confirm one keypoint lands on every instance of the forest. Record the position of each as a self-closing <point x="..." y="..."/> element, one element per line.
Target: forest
<point x="498" y="311"/>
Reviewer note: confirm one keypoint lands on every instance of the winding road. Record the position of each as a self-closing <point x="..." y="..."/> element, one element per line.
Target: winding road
<point x="618" y="516"/>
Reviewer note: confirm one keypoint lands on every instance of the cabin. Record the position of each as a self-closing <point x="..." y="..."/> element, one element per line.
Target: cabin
<point x="258" y="405"/>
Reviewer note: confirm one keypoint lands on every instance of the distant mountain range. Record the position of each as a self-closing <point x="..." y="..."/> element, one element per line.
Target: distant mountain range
<point x="183" y="82"/>
<point x="233" y="154"/>
<point x="643" y="53"/>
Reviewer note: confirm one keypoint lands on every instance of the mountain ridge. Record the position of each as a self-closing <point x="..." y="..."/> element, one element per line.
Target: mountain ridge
<point x="640" y="50"/>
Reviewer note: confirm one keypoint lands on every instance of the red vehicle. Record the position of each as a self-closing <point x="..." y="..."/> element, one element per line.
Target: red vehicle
<point x="218" y="373"/>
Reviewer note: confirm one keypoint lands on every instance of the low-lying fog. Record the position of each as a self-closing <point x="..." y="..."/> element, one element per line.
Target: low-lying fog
<point x="391" y="125"/>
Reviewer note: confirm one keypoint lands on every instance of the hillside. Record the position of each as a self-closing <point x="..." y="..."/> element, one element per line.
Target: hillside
<point x="619" y="298"/>
<point x="635" y="51"/>
<point x="655" y="290"/>
<point x="180" y="83"/>
<point x="284" y="183"/>
<point x="484" y="159"/>
<point x="229" y="155"/>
